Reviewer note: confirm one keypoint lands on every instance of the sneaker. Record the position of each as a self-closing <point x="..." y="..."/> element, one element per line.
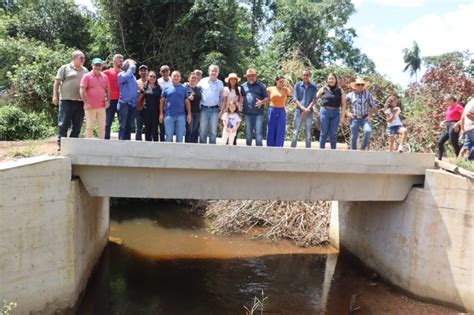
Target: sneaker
<point x="400" y="148"/>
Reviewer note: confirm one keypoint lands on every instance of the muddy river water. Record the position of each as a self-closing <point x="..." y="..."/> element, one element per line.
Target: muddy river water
<point x="168" y="263"/>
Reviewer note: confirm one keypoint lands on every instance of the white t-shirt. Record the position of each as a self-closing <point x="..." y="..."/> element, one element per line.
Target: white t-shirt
<point x="162" y="83"/>
<point x="468" y="124"/>
<point x="231" y="120"/>
<point x="396" y="119"/>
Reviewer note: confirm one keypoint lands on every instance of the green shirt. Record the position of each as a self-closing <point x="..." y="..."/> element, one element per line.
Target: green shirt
<point x="70" y="78"/>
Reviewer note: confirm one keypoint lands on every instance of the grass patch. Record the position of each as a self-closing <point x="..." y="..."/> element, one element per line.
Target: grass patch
<point x="22" y="152"/>
<point x="467" y="165"/>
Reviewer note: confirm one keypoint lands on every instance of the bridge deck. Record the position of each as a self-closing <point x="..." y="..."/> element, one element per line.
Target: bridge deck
<point x="195" y="171"/>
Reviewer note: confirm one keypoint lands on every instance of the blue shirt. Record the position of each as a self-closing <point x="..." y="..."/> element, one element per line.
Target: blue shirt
<point x="305" y="94"/>
<point x="128" y="86"/>
<point x="211" y="92"/>
<point x="252" y="92"/>
<point x="176" y="96"/>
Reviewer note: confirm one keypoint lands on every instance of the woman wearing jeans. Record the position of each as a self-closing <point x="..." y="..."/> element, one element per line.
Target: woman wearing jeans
<point x="332" y="98"/>
<point x="451" y="126"/>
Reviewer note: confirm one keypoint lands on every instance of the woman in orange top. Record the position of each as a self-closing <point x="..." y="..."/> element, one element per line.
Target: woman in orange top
<point x="276" y="124"/>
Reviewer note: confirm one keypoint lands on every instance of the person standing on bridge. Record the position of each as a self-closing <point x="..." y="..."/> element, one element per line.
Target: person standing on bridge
<point x="174" y="105"/>
<point x="211" y="101"/>
<point x="305" y="98"/>
<point x="362" y="108"/>
<point x="71" y="107"/>
<point x="276" y="121"/>
<point x="164" y="81"/>
<point x="254" y="95"/>
<point x="231" y="94"/>
<point x="95" y="93"/>
<point x="143" y="73"/>
<point x="194" y="97"/>
<point x="127" y="105"/>
<point x="451" y="125"/>
<point x="151" y="92"/>
<point x="333" y="106"/>
<point x="112" y="75"/>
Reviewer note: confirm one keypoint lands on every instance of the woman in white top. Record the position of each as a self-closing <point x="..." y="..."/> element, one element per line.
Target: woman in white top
<point x="231" y="94"/>
<point x="394" y="124"/>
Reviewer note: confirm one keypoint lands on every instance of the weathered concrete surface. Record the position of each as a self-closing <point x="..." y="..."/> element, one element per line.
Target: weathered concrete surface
<point x="170" y="170"/>
<point x="51" y="234"/>
<point x="424" y="245"/>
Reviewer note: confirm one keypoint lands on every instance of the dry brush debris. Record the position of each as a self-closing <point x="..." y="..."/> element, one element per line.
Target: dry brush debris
<point x="306" y="223"/>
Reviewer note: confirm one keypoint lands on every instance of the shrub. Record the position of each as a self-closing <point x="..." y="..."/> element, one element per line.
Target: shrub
<point x="16" y="124"/>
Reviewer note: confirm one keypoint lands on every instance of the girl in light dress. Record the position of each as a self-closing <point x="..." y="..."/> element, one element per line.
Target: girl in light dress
<point x="231" y="123"/>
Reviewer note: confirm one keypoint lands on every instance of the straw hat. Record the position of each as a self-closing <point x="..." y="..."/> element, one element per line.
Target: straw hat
<point x="359" y="81"/>
<point x="232" y="76"/>
<point x="250" y="71"/>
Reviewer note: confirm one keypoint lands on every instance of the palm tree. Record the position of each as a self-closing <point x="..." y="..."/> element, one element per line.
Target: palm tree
<point x="412" y="60"/>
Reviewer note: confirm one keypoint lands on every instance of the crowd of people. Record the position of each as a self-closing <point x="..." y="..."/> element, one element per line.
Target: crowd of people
<point x="164" y="109"/>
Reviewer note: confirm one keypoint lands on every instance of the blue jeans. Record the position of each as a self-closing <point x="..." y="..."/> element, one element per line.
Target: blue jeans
<point x="254" y="123"/>
<point x="175" y="124"/>
<point x="192" y="129"/>
<point x="308" y="126"/>
<point x="127" y="114"/>
<point x="208" y="125"/>
<point x="355" y="125"/>
<point x="276" y="126"/>
<point x="109" y="117"/>
<point x="70" y="112"/>
<point x="329" y="119"/>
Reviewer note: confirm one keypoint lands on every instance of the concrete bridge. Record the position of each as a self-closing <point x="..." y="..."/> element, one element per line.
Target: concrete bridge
<point x="411" y="223"/>
<point x="195" y="171"/>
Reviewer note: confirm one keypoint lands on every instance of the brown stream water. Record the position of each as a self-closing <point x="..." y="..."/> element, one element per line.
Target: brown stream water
<point x="168" y="263"/>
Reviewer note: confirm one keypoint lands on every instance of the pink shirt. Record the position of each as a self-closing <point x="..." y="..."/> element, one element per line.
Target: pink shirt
<point x="454" y="112"/>
<point x="95" y="88"/>
<point x="113" y="83"/>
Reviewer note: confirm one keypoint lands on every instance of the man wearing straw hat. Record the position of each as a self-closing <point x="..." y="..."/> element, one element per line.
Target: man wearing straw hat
<point x="362" y="108"/>
<point x="255" y="95"/>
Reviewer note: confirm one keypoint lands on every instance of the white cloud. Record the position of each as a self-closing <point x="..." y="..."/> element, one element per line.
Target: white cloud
<point x="391" y="3"/>
<point x="435" y="34"/>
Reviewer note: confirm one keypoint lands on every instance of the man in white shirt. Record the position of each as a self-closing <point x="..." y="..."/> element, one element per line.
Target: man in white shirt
<point x="164" y="81"/>
<point x="211" y="102"/>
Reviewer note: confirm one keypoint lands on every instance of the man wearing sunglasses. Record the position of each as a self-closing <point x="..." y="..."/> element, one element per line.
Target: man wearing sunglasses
<point x="362" y="108"/>
<point x="66" y="94"/>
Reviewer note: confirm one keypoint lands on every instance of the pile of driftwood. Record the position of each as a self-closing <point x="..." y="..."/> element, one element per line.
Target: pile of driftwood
<point x="306" y="223"/>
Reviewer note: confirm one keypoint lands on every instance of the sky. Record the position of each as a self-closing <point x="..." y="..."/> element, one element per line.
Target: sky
<point x="386" y="27"/>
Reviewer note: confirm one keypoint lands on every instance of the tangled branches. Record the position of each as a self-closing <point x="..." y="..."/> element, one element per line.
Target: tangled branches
<point x="307" y="224"/>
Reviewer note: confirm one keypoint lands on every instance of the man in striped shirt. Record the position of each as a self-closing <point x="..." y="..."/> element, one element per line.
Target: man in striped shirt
<point x="362" y="108"/>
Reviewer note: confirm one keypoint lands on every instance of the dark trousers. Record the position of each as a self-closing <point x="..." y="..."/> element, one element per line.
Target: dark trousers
<point x="451" y="135"/>
<point x="110" y="116"/>
<point x="192" y="129"/>
<point x="162" y="132"/>
<point x="149" y="117"/>
<point x="70" y="113"/>
<point x="139" y="126"/>
<point x="127" y="114"/>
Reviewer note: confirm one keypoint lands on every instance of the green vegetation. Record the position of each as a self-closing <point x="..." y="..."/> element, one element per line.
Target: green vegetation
<point x="16" y="124"/>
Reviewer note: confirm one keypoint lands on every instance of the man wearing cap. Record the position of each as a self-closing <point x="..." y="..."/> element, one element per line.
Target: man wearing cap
<point x="71" y="107"/>
<point x="143" y="73"/>
<point x="211" y="101"/>
<point x="305" y="98"/>
<point x="114" y="92"/>
<point x="127" y="104"/>
<point x="164" y="81"/>
<point x="362" y="108"/>
<point x="254" y="95"/>
<point x="95" y="93"/>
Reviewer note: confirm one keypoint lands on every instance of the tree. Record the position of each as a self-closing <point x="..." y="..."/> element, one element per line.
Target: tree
<point x="412" y="60"/>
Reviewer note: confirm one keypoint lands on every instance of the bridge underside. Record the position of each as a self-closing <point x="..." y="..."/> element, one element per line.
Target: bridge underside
<point x="189" y="171"/>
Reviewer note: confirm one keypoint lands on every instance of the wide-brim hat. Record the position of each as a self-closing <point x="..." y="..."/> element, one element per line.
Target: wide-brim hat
<point x="359" y="81"/>
<point x="250" y="71"/>
<point x="232" y="76"/>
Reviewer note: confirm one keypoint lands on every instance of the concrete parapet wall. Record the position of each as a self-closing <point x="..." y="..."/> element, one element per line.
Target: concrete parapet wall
<point x="424" y="245"/>
<point x="51" y="234"/>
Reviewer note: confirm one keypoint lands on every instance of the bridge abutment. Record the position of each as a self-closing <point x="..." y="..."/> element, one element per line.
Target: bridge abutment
<point x="52" y="233"/>
<point x="424" y="244"/>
